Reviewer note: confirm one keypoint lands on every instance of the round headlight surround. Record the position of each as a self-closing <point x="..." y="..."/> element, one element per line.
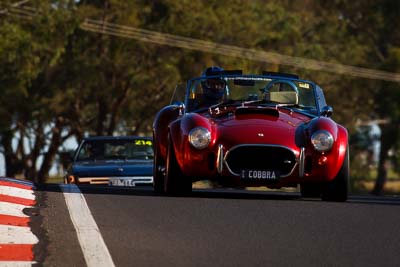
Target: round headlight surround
<point x="322" y="140"/>
<point x="199" y="137"/>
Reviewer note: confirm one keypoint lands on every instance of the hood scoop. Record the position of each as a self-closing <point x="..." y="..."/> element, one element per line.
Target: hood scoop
<point x="256" y="110"/>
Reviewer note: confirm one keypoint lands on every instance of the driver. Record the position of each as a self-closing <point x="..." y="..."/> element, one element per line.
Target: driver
<point x="213" y="88"/>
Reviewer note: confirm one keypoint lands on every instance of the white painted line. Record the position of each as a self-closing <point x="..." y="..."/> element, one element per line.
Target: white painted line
<point x="17" y="192"/>
<point x="93" y="246"/>
<point x="17" y="235"/>
<point x="17" y="263"/>
<point x="12" y="209"/>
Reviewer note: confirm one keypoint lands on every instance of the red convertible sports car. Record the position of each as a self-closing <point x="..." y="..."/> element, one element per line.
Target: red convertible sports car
<point x="242" y="130"/>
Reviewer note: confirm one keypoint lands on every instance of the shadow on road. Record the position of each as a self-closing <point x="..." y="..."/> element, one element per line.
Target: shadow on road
<point x="147" y="191"/>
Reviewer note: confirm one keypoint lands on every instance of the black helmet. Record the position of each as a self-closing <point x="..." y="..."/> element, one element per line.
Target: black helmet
<point x="210" y="71"/>
<point x="213" y="88"/>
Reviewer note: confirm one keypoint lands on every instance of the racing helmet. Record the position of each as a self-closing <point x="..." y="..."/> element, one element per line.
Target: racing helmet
<point x="213" y="88"/>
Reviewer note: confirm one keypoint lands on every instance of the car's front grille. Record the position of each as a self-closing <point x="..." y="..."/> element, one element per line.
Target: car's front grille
<point x="260" y="157"/>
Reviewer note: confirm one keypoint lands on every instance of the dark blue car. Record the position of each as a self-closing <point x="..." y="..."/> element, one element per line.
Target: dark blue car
<point x="113" y="160"/>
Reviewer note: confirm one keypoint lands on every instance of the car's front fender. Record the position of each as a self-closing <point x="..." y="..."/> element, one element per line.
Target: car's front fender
<point x="160" y="128"/>
<point x="179" y="131"/>
<point x="324" y="164"/>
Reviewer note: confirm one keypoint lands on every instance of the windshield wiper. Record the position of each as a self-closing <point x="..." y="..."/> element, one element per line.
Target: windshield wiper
<point x="227" y="103"/>
<point x="270" y="103"/>
<point x="261" y="101"/>
<point x="283" y="105"/>
<point x="295" y="106"/>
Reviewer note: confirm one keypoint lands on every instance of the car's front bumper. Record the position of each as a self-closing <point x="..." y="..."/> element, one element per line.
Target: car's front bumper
<point x="117" y="181"/>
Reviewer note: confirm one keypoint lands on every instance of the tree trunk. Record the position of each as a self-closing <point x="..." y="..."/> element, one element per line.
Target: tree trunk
<point x="101" y="116"/>
<point x="9" y="156"/>
<point x="389" y="133"/>
<point x="382" y="174"/>
<point x="51" y="153"/>
<point x="30" y="169"/>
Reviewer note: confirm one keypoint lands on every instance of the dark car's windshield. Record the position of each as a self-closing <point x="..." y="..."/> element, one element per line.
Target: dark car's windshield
<point x="204" y="93"/>
<point x="114" y="149"/>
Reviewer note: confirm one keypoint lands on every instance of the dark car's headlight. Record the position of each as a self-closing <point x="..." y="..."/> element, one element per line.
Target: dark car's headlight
<point x="322" y="140"/>
<point x="199" y="137"/>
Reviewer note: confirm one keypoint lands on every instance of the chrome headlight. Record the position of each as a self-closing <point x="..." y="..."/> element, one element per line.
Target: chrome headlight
<point x="199" y="137"/>
<point x="322" y="140"/>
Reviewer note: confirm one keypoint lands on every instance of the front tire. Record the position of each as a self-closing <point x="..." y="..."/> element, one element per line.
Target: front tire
<point x="337" y="189"/>
<point x="175" y="182"/>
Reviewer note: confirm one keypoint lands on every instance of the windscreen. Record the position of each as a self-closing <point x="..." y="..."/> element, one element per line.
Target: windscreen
<point x="116" y="149"/>
<point x="204" y="93"/>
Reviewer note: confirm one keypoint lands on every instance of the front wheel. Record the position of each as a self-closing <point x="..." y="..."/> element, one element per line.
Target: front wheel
<point x="175" y="182"/>
<point x="337" y="189"/>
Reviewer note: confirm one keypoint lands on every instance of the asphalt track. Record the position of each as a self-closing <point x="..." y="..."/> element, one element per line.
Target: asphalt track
<point x="222" y="228"/>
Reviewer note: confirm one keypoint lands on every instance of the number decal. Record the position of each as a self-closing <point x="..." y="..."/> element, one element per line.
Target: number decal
<point x="143" y="143"/>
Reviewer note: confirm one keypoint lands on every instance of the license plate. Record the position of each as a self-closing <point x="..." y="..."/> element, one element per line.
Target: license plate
<point x="122" y="182"/>
<point x="267" y="175"/>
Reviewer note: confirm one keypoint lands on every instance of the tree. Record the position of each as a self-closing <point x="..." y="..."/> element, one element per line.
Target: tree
<point x="371" y="22"/>
<point x="31" y="46"/>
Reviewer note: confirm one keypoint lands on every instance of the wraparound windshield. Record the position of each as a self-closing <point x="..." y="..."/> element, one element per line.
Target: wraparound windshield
<point x="116" y="149"/>
<point x="205" y="93"/>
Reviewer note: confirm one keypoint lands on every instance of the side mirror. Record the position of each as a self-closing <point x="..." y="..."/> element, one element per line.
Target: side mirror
<point x="180" y="106"/>
<point x="327" y="111"/>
